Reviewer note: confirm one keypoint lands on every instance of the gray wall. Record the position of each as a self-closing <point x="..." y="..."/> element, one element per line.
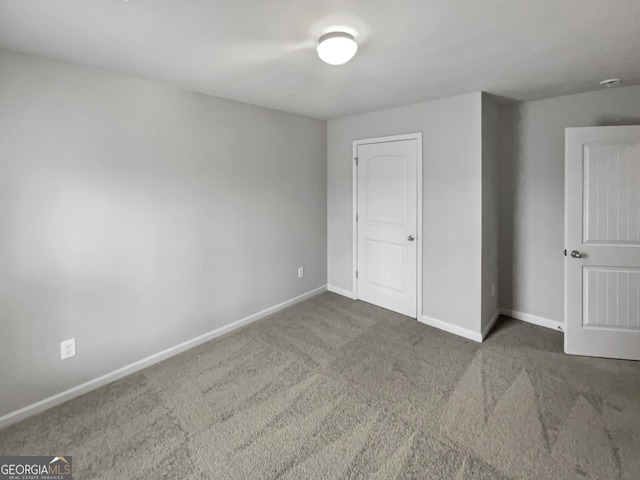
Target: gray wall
<point x="135" y="216"/>
<point x="452" y="146"/>
<point x="532" y="191"/>
<point x="490" y="136"/>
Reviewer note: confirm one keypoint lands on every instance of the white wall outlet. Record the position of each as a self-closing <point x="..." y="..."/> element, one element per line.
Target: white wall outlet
<point x="67" y="348"/>
<point x="493" y="289"/>
<point x="300" y="272"/>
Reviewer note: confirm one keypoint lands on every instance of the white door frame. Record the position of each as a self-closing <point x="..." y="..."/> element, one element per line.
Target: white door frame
<point x="393" y="138"/>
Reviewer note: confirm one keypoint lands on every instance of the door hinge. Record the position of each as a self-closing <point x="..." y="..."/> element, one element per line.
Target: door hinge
<point x="356" y="159"/>
<point x="356" y="218"/>
<point x="356" y="273"/>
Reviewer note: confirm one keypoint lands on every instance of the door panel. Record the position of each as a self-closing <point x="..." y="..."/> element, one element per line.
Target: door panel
<point x="602" y="280"/>
<point x="386" y="264"/>
<point x="612" y="298"/>
<point x="387" y="218"/>
<point x="612" y="196"/>
<point x="386" y="190"/>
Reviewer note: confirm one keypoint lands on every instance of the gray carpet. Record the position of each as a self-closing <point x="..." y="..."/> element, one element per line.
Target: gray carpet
<point x="332" y="388"/>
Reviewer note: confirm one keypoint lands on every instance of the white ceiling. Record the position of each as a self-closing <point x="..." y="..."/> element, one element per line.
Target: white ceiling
<point x="263" y="51"/>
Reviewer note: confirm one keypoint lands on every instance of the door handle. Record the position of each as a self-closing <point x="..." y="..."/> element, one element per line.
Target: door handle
<point x="576" y="254"/>
<point x="411" y="238"/>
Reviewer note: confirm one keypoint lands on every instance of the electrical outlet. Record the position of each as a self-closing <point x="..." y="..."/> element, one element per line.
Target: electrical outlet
<point x="300" y="272"/>
<point x="493" y="290"/>
<point x="67" y="348"/>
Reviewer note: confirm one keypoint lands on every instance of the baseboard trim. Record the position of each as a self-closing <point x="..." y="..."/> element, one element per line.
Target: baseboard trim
<point x="533" y="319"/>
<point x="488" y="328"/>
<point x="341" y="291"/>
<point x="47" y="403"/>
<point x="447" y="327"/>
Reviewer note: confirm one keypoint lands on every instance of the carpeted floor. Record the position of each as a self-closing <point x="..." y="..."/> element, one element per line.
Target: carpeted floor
<point x="332" y="388"/>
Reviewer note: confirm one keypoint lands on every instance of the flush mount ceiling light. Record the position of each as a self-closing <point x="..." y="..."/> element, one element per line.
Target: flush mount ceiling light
<point x="336" y="48"/>
<point x="611" y="82"/>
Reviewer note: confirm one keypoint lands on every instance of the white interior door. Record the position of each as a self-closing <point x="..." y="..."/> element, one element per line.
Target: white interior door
<point x="387" y="224"/>
<point x="602" y="266"/>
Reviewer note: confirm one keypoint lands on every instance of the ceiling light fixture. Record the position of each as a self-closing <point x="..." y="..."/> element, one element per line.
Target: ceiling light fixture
<point x="611" y="82"/>
<point x="336" y="48"/>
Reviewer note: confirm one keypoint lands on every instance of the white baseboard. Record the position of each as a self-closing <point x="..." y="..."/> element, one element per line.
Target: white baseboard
<point x="341" y="291"/>
<point x="76" y="391"/>
<point x="448" y="327"/>
<point x="488" y="328"/>
<point x="533" y="319"/>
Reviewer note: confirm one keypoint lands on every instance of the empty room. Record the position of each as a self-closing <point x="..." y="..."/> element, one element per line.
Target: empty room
<point x="347" y="239"/>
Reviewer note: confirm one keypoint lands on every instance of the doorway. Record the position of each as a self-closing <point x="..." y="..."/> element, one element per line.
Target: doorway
<point x="602" y="238"/>
<point x="388" y="222"/>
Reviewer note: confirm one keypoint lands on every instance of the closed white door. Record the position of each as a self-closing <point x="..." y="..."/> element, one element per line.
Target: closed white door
<point x="387" y="224"/>
<point x="602" y="266"/>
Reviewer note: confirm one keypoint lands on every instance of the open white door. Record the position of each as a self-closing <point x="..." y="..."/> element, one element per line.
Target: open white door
<point x="602" y="235"/>
<point x="387" y="223"/>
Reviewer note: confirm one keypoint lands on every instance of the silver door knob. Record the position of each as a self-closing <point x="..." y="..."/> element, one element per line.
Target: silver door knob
<point x="411" y="238"/>
<point x="576" y="254"/>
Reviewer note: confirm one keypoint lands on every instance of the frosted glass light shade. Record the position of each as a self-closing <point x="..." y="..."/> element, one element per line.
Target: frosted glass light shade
<point x="336" y="48"/>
